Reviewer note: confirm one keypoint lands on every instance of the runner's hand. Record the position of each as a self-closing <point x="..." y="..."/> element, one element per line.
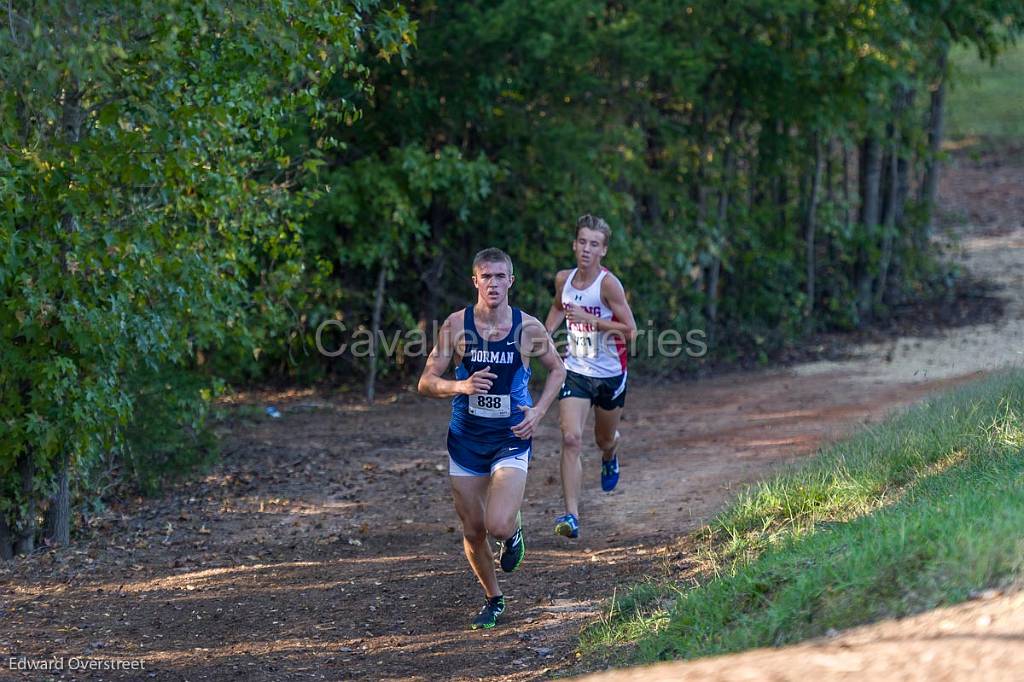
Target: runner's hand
<point x="574" y="313"/>
<point x="480" y="382"/>
<point x="531" y="418"/>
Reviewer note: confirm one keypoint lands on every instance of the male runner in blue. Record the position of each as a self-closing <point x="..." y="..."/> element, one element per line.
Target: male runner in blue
<point x="493" y="418"/>
<point x="593" y="303"/>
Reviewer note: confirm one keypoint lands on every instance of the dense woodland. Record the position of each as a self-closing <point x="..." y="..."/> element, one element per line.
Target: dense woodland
<point x="190" y="188"/>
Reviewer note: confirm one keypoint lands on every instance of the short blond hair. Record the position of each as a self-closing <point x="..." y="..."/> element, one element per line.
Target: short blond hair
<point x="592" y="222"/>
<point x="492" y="255"/>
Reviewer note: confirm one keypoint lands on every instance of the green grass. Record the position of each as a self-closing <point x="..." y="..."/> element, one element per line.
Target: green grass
<point x="907" y="516"/>
<point x="985" y="100"/>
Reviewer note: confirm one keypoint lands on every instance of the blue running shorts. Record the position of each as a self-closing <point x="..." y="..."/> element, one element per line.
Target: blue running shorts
<point x="473" y="458"/>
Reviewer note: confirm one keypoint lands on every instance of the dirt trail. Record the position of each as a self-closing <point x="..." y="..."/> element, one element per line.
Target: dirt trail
<point x="324" y="545"/>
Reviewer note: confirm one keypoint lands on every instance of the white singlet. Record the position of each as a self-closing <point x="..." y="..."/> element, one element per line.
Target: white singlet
<point x="592" y="353"/>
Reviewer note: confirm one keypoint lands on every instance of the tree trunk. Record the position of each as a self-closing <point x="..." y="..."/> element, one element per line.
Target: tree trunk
<point x="895" y="184"/>
<point x="431" y="278"/>
<point x="782" y="195"/>
<point x="6" y="540"/>
<point x="871" y="175"/>
<point x="830" y="185"/>
<point x="936" y="129"/>
<point x="848" y="212"/>
<point x="57" y="526"/>
<point x="714" y="272"/>
<point x="903" y="163"/>
<point x="871" y="172"/>
<point x="890" y="221"/>
<point x="25" y="540"/>
<point x="886" y="204"/>
<point x="810" y="224"/>
<point x="827" y="244"/>
<point x="728" y="182"/>
<point x="378" y="304"/>
<point x="903" y="166"/>
<point x="438" y="228"/>
<point x="57" y="530"/>
<point x="700" y="195"/>
<point x="431" y="271"/>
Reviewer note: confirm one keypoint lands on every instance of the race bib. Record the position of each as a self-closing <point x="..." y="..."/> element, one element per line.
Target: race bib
<point x="490" y="406"/>
<point x="583" y="344"/>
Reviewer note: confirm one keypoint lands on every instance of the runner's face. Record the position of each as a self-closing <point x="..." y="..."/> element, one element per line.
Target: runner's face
<point x="589" y="248"/>
<point x="492" y="282"/>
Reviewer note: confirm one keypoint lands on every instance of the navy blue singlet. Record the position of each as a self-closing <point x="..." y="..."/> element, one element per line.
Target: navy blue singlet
<point x="489" y="418"/>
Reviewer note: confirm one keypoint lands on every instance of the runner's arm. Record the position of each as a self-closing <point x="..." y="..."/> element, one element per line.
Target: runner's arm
<point x="431" y="382"/>
<point x="538" y="344"/>
<point x="614" y="296"/>
<point x="556" y="315"/>
<point x="544" y="350"/>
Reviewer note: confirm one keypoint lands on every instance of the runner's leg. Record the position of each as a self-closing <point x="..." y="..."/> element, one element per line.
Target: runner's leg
<point x="470" y="495"/>
<point x="572" y="414"/>
<point x="606" y="424"/>
<point x="504" y="498"/>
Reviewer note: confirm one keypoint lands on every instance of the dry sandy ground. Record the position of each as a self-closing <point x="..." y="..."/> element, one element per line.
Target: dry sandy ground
<point x="324" y="545"/>
<point x="993" y="255"/>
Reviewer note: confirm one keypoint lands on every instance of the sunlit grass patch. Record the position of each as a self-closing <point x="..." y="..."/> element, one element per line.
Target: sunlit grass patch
<point x="909" y="515"/>
<point x="986" y="99"/>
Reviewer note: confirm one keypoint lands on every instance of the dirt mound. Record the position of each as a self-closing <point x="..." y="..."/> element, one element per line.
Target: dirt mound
<point x="979" y="640"/>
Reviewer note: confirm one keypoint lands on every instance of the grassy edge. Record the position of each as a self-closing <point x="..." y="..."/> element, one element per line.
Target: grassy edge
<point x="854" y="535"/>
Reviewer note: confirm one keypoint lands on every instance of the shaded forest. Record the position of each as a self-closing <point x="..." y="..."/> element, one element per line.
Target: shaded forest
<point x="190" y="189"/>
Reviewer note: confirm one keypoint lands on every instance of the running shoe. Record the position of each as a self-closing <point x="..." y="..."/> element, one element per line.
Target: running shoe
<point x="609" y="474"/>
<point x="488" y="616"/>
<point x="514" y="549"/>
<point x="610" y="468"/>
<point x="567" y="525"/>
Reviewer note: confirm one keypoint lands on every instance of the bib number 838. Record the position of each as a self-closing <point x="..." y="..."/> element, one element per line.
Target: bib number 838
<point x="490" y="406"/>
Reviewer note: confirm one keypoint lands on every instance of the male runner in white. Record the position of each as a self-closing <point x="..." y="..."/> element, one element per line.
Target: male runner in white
<point x="593" y="303"/>
<point x="493" y="418"/>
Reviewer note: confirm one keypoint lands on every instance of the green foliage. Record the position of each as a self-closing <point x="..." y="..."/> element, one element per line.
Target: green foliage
<point x="197" y="185"/>
<point x="388" y="196"/>
<point x="911" y="515"/>
<point x="690" y="127"/>
<point x="149" y="207"/>
<point x="177" y="441"/>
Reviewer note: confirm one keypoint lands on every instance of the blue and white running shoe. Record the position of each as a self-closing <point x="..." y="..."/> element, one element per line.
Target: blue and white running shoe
<point x="609" y="474"/>
<point x="610" y="468"/>
<point x="567" y="525"/>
